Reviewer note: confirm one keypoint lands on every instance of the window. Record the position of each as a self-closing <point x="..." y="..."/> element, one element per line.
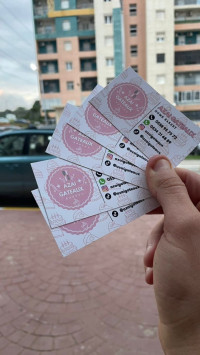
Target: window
<point x="133" y="51"/>
<point x="88" y="84"/>
<point x="108" y="19"/>
<point x="70" y="85"/>
<point x="160" y="37"/>
<point x="109" y="62"/>
<point x="133" y="30"/>
<point x="160" y="79"/>
<point x="108" y="41"/>
<point x="38" y="143"/>
<point x="133" y="9"/>
<point x="160" y="58"/>
<point x="66" y="25"/>
<point x="64" y="4"/>
<point x="12" y="145"/>
<point x="186" y="97"/>
<point x="108" y="80"/>
<point x="69" y="66"/>
<point x="134" y="67"/>
<point x="51" y="86"/>
<point x="160" y="15"/>
<point x="49" y="48"/>
<point x="68" y="45"/>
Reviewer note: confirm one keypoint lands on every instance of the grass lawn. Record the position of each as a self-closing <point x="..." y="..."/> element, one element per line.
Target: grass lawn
<point x="193" y="157"/>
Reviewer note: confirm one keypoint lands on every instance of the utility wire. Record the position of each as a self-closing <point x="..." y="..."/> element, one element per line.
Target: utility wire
<point x="17" y="76"/>
<point x="9" y="44"/>
<point x="16" y="19"/>
<point x="16" y="32"/>
<point x="13" y="59"/>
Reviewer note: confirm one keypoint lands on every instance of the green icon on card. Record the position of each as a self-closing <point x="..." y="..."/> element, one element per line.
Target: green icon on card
<point x="102" y="181"/>
<point x="146" y="122"/>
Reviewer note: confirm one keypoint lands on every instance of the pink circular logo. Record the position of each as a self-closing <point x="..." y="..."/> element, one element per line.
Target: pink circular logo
<point x="69" y="187"/>
<point x="78" y="143"/>
<point x="83" y="226"/>
<point x="98" y="123"/>
<point x="127" y="101"/>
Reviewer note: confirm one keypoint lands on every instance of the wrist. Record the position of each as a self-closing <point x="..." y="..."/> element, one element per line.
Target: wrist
<point x="180" y="340"/>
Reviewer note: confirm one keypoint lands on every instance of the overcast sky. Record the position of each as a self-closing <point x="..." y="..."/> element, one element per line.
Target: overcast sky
<point x="18" y="83"/>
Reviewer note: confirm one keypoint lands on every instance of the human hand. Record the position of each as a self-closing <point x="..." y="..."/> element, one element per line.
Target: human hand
<point x="172" y="258"/>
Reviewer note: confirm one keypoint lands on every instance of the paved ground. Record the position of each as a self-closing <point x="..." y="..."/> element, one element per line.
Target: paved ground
<point x="191" y="164"/>
<point x="93" y="302"/>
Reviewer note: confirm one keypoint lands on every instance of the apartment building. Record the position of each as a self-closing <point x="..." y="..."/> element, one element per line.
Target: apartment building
<point x="84" y="42"/>
<point x="187" y="57"/>
<point x="78" y="45"/>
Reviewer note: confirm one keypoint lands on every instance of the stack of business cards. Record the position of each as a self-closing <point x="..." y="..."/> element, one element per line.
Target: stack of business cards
<point x="96" y="183"/>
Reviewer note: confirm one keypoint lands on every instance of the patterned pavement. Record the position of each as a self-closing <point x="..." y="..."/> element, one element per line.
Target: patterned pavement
<point x="92" y="302"/>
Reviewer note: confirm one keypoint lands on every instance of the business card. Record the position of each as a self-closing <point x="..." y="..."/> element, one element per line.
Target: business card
<point x="92" y="124"/>
<point x="70" y="192"/>
<point x="74" y="236"/>
<point x="69" y="144"/>
<point x="150" y="122"/>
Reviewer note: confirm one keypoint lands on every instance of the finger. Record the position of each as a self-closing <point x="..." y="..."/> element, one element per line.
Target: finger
<point x="192" y="183"/>
<point x="168" y="188"/>
<point x="149" y="276"/>
<point x="152" y="243"/>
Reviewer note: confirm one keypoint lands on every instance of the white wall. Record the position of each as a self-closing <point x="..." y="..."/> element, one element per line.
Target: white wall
<point x="158" y="71"/>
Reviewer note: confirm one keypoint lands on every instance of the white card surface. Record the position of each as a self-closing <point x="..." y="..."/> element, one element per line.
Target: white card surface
<point x="74" y="236"/>
<point x="151" y="123"/>
<point x="91" y="123"/>
<point x="70" y="192"/>
<point x="69" y="144"/>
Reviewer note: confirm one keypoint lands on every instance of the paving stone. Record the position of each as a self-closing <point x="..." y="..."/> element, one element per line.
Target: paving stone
<point x="94" y="302"/>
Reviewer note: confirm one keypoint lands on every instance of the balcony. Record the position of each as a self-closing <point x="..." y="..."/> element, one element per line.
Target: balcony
<point x="186" y="2"/>
<point x="88" y="84"/>
<point x="187" y="38"/>
<point x="187" y="16"/>
<point x="47" y="47"/>
<point x="45" y="29"/>
<point x="192" y="115"/>
<point x="48" y="67"/>
<point x="182" y="79"/>
<point x="87" y="44"/>
<point x="80" y="4"/>
<point x="187" y="58"/>
<point x="51" y="86"/>
<point x="40" y="11"/>
<point x="187" y="97"/>
<point x="85" y="23"/>
<point x="88" y="64"/>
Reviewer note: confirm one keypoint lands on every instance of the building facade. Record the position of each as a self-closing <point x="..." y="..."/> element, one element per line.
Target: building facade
<point x="84" y="42"/>
<point x="79" y="44"/>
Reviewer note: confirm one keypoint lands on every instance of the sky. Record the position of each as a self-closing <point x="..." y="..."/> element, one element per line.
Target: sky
<point x="18" y="82"/>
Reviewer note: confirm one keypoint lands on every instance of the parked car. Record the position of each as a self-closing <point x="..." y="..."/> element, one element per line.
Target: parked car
<point x="18" y="149"/>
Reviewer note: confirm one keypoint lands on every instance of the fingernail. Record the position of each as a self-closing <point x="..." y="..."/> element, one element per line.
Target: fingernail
<point x="162" y="164"/>
<point x="148" y="249"/>
<point x="148" y="271"/>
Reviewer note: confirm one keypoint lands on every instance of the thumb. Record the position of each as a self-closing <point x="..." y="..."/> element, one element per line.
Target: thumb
<point x="166" y="186"/>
